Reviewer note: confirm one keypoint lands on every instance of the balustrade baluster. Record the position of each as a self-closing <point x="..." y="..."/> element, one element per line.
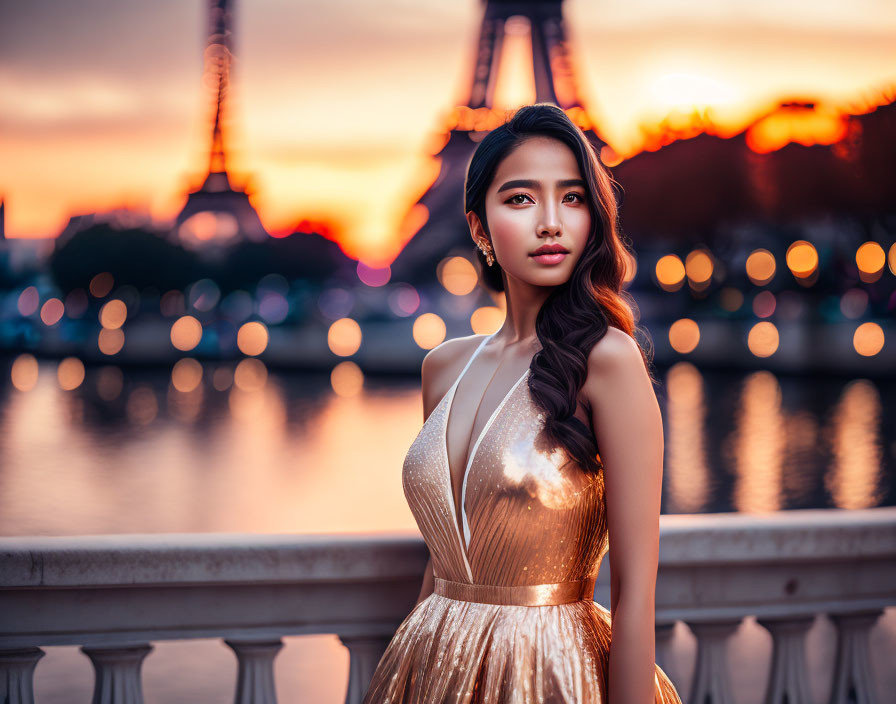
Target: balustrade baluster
<point x="711" y="684"/>
<point x="17" y="674"/>
<point x="788" y="682"/>
<point x="853" y="678"/>
<point x="364" y="656"/>
<point x="255" y="677"/>
<point x="117" y="668"/>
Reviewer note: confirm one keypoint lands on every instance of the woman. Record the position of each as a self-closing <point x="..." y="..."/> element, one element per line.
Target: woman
<point x="505" y="480"/>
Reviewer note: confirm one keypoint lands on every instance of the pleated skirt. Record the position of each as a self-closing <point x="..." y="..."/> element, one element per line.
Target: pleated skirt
<point x="466" y="652"/>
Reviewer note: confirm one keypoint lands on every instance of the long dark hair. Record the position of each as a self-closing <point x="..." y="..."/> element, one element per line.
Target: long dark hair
<point x="577" y="314"/>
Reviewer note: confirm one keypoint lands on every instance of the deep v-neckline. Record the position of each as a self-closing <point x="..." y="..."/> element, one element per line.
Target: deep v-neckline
<point x="464" y="538"/>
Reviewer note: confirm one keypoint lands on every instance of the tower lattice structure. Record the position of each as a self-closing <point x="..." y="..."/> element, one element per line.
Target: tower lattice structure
<point x="217" y="194"/>
<point x="445" y="230"/>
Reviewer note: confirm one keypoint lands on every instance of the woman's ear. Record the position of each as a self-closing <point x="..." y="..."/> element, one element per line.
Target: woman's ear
<point x="477" y="231"/>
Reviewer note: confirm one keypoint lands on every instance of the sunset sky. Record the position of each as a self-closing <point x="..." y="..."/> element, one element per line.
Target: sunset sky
<point x="334" y="103"/>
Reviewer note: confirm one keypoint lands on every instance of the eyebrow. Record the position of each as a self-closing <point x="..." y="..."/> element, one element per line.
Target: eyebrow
<point x="526" y="183"/>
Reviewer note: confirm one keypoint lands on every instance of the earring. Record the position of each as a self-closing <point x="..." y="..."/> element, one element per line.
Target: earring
<point x="489" y="255"/>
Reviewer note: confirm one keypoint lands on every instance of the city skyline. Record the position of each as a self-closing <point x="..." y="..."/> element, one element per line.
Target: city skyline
<point x="327" y="134"/>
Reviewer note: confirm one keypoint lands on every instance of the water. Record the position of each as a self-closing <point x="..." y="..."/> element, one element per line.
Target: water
<point x="125" y="452"/>
<point x="294" y="456"/>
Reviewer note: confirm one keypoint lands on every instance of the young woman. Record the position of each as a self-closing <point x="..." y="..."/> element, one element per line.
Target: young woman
<point x="541" y="450"/>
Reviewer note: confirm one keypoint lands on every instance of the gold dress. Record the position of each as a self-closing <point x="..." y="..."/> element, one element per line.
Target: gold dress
<point x="512" y="619"/>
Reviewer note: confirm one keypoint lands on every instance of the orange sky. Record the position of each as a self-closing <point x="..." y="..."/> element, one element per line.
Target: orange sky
<point x="334" y="102"/>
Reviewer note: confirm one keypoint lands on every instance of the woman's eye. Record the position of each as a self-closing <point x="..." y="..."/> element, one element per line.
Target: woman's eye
<point x="577" y="195"/>
<point x="513" y="199"/>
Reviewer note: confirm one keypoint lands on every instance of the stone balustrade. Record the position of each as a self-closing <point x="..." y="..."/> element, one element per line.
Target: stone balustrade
<point x="115" y="595"/>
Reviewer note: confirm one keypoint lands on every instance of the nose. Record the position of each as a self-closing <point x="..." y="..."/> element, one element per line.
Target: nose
<point x="549" y="224"/>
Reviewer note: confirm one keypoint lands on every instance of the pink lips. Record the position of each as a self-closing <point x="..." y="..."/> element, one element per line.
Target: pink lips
<point x="549" y="254"/>
<point x="550" y="258"/>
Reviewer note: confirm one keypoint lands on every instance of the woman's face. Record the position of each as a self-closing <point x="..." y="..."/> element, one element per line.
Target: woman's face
<point x="537" y="198"/>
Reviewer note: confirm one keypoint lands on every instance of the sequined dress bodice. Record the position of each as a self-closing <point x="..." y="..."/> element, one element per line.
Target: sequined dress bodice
<point x="530" y="515"/>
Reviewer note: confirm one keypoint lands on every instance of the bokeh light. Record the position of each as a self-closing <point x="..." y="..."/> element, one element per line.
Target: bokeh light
<point x="457" y="275"/>
<point x="670" y="272"/>
<point x="28" y="301"/>
<point x="631" y="266"/>
<point x="335" y="303"/>
<point x="110" y="341"/>
<point x="347" y="379"/>
<point x="684" y="335"/>
<point x="101" y="284"/>
<point x="203" y="295"/>
<point x="52" y="311"/>
<point x="70" y="373"/>
<point x="868" y="339"/>
<point x="761" y="267"/>
<point x="344" y="337"/>
<point x="250" y="375"/>
<point x="764" y="304"/>
<point x="404" y="300"/>
<point x="699" y="267"/>
<point x="186" y="332"/>
<point x="429" y="331"/>
<point x="273" y="307"/>
<point x="763" y="339"/>
<point x="252" y="338"/>
<point x="186" y="374"/>
<point x="871" y="260"/>
<point x="24" y="372"/>
<point x="802" y="259"/>
<point x="208" y="225"/>
<point x="113" y="314"/>
<point x="373" y="276"/>
<point x="487" y="319"/>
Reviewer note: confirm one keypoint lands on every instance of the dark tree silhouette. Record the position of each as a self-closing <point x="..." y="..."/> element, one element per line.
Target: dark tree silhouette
<point x="133" y="256"/>
<point x="142" y="258"/>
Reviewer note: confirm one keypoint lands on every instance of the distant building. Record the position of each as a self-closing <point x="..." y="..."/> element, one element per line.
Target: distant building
<point x="218" y="212"/>
<point x="436" y="223"/>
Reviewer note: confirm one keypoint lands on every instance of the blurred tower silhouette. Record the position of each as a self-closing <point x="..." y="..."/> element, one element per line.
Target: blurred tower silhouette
<point x="445" y="230"/>
<point x="217" y="210"/>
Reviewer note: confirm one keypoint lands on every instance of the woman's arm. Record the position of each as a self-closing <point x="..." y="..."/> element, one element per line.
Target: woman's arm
<point x="628" y="428"/>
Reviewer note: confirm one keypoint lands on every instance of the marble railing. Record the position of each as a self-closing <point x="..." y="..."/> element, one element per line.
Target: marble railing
<point x="115" y="595"/>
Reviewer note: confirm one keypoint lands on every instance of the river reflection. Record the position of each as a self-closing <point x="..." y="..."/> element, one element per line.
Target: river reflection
<point x="127" y="451"/>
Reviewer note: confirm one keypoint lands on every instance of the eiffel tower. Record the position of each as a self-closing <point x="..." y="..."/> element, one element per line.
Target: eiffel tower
<point x="218" y="211"/>
<point x="445" y="231"/>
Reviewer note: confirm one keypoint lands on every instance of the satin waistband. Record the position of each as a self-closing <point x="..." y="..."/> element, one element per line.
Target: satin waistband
<point x="549" y="594"/>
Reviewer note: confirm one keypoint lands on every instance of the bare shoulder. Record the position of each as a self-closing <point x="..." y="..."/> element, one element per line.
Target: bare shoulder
<point x="449" y="354"/>
<point x="441" y="365"/>
<point x="614" y="363"/>
<point x="614" y="352"/>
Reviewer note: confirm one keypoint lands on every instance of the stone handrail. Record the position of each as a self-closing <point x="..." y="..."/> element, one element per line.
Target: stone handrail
<point x="783" y="568"/>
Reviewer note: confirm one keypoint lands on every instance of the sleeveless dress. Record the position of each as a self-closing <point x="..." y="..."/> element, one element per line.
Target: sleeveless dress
<point x="512" y="619"/>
